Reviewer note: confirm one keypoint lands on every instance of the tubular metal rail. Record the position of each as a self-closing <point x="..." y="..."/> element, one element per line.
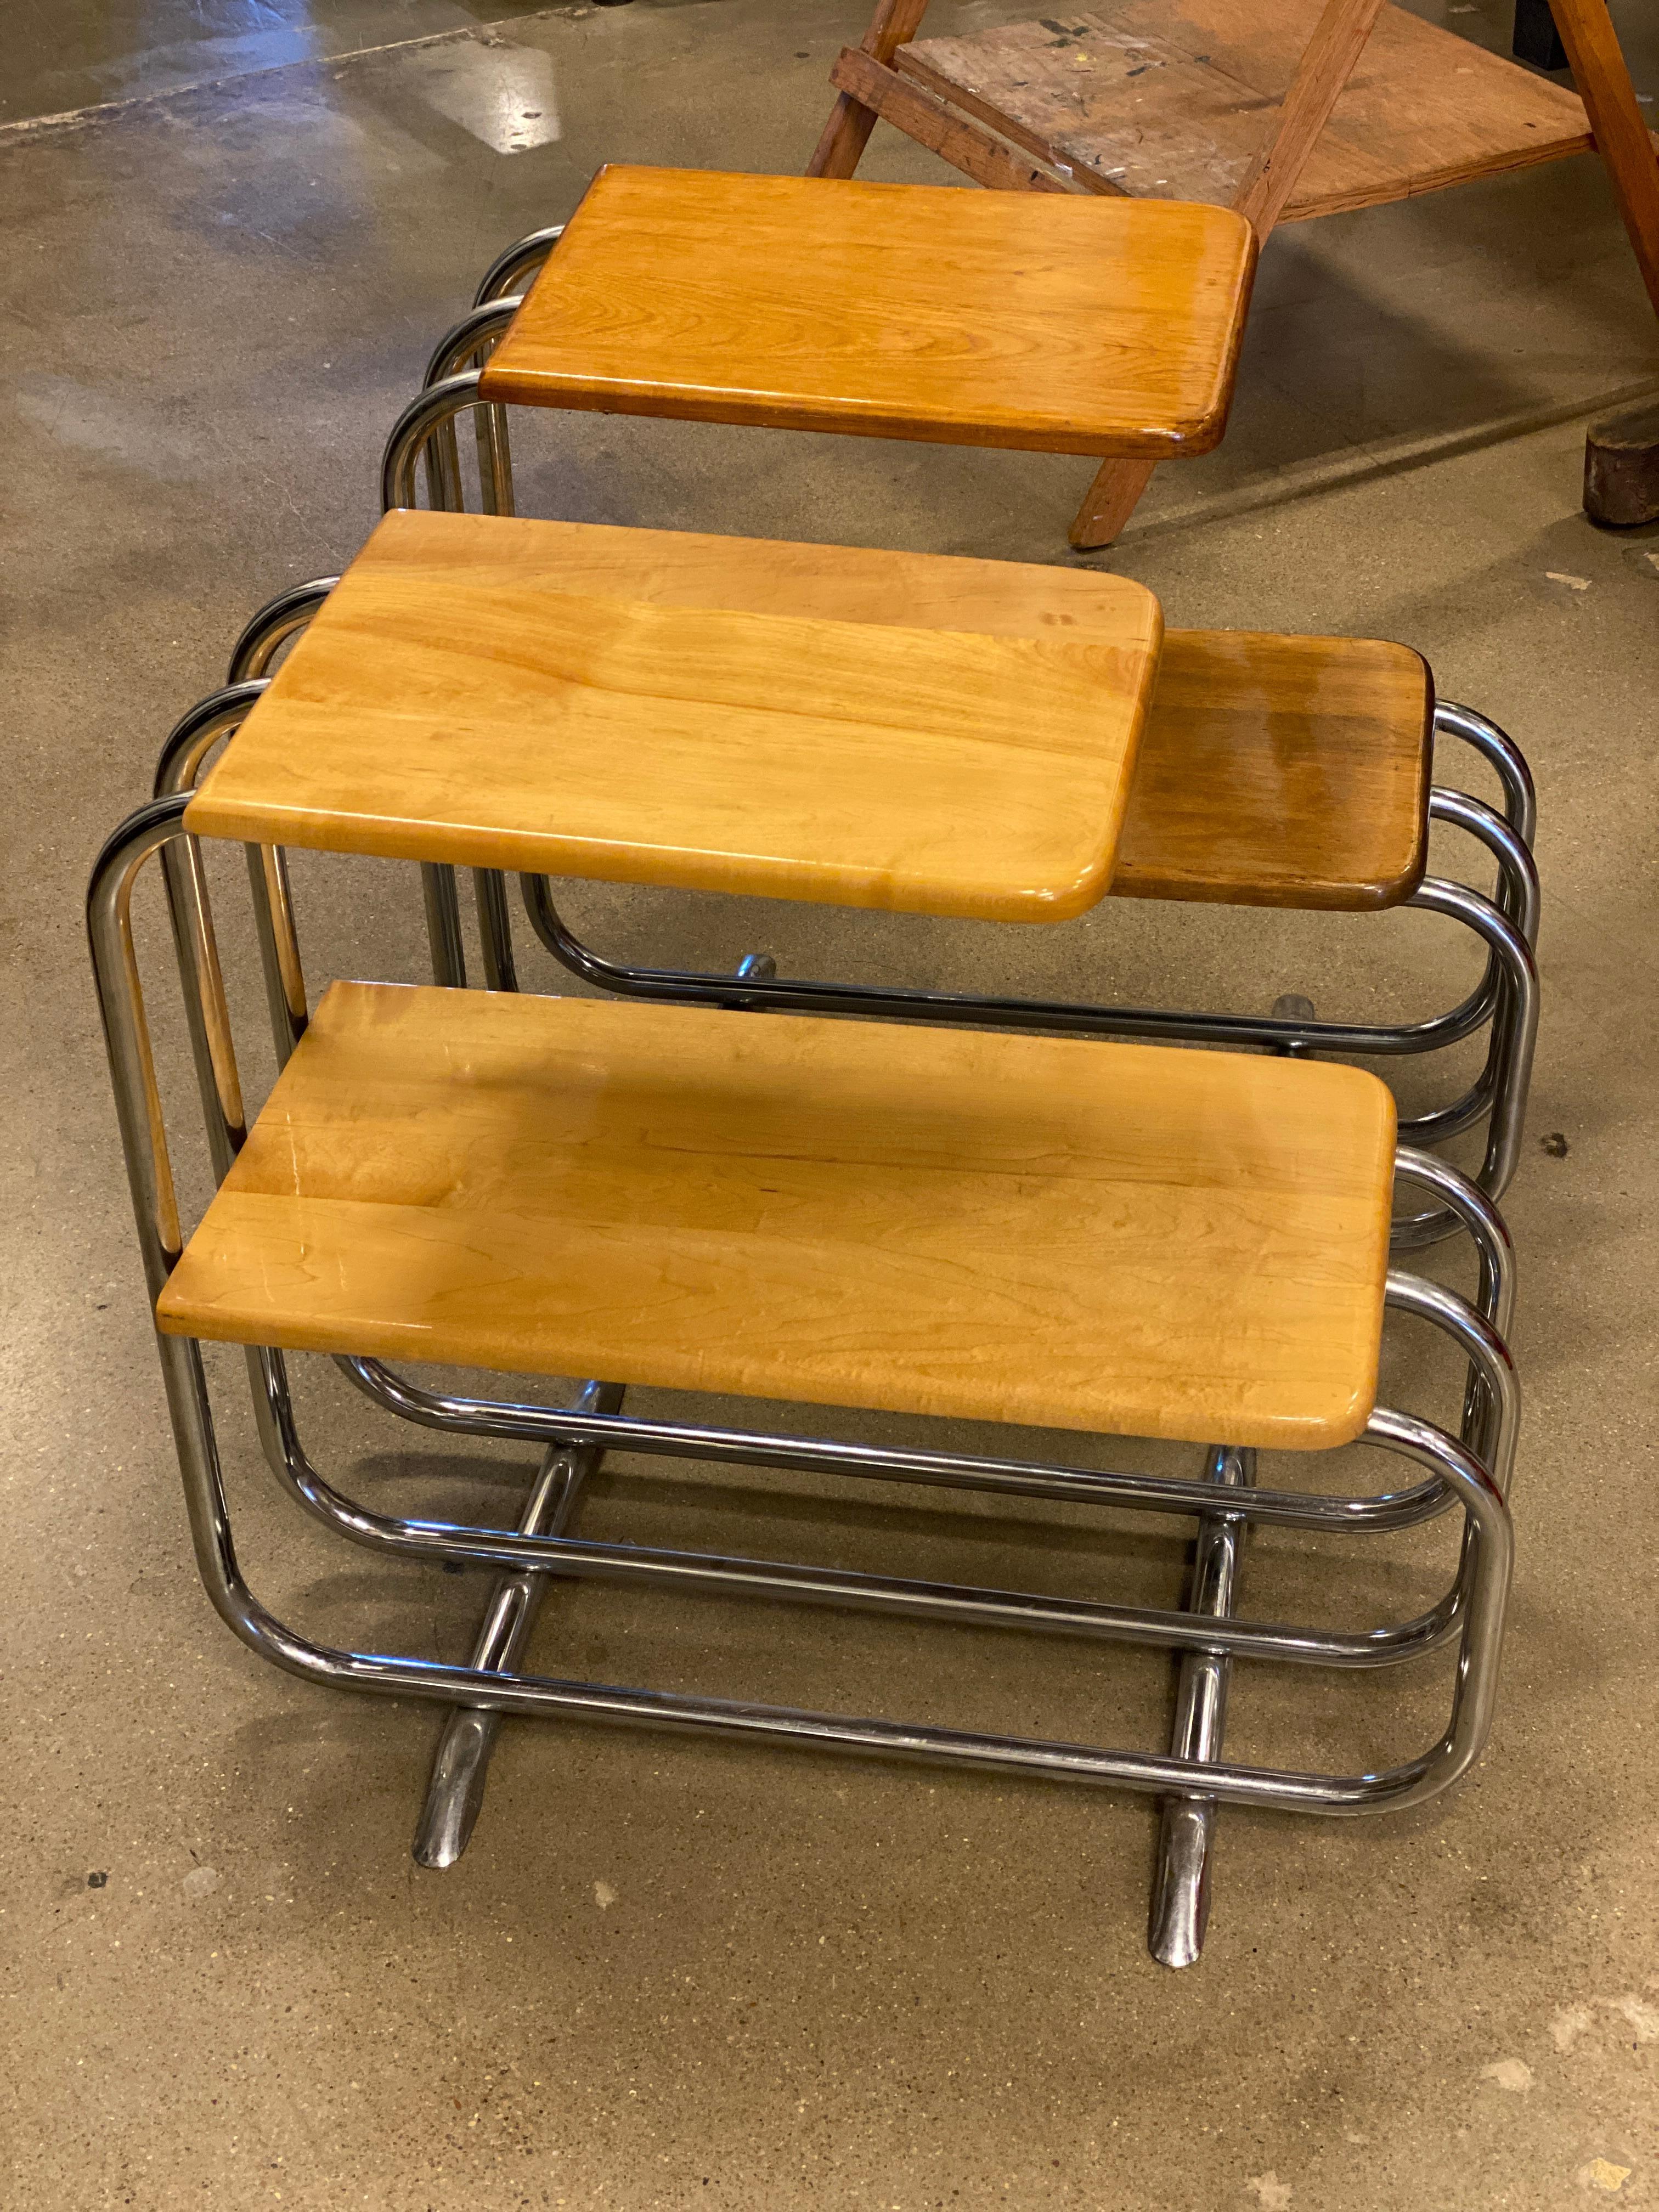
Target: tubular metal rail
<point x="1471" y="1470"/>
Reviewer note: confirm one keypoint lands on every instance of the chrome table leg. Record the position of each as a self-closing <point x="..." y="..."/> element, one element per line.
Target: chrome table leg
<point x="1291" y="1006"/>
<point x="460" y="1766"/>
<point x="1180" y="1884"/>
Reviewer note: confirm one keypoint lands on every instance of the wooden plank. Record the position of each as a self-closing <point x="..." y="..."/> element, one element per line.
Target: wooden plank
<point x="978" y="154"/>
<point x="1281" y="771"/>
<point x="1622" y="137"/>
<point x="1136" y="114"/>
<point x="1326" y="63"/>
<point x="1176" y="97"/>
<point x="846" y="133"/>
<point x="1093" y="1236"/>
<point x="1110" y="501"/>
<point x="1077" y="325"/>
<point x="860" y="584"/>
<point x="455" y="699"/>
<point x="955" y="97"/>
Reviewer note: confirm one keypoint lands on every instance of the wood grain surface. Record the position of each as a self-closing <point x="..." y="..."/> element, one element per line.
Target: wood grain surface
<point x="1281" y="771"/>
<point x="1052" y="323"/>
<point x="872" y="89"/>
<point x="470" y="693"/>
<point x="1328" y="60"/>
<point x="1622" y="136"/>
<point x="1093" y="1236"/>
<point x="1174" y="98"/>
<point x="846" y="133"/>
<point x="1272" y="770"/>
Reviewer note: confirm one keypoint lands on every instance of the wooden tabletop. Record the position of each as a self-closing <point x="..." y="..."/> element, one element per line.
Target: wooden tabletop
<point x="1070" y="326"/>
<point x="1074" y="1233"/>
<point x="644" y="707"/>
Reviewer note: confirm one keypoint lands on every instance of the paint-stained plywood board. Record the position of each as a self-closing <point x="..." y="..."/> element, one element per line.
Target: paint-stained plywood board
<point x="1170" y="99"/>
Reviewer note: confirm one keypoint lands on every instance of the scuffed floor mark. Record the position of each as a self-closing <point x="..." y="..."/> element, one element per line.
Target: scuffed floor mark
<point x="1642" y="2016"/>
<point x="115" y="427"/>
<point x="1601" y="2173"/>
<point x="1511" y="2074"/>
<point x="603" y="1896"/>
<point x="1270" y="2192"/>
<point x="1569" y="2025"/>
<point x="1575" y="2020"/>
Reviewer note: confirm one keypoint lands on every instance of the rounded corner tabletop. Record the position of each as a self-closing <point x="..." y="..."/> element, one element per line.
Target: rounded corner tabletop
<point x="653" y="707"/>
<point x="1033" y="321"/>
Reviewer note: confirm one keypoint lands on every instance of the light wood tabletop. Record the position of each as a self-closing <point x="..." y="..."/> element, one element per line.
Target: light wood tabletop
<point x="1270" y="770"/>
<point x="1095" y="1236"/>
<point x="1058" y="324"/>
<point x="638" y="706"/>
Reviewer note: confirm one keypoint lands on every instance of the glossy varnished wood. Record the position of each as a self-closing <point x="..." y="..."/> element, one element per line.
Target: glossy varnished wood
<point x="1272" y="770"/>
<point x="475" y="691"/>
<point x="902" y="311"/>
<point x="1176" y="98"/>
<point x="1281" y="771"/>
<point x="1095" y="1236"/>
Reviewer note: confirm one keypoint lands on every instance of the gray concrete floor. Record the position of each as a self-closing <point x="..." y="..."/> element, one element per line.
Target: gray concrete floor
<point x="670" y="1975"/>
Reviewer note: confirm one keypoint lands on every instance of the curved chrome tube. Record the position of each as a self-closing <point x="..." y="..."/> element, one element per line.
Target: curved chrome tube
<point x="276" y="623"/>
<point x="424" y="413"/>
<point x="178" y="765"/>
<point x="1391" y="1788"/>
<point x="507" y="271"/>
<point x="427" y="425"/>
<point x="896" y="1002"/>
<point x="1517" y="1018"/>
<point x="1484" y="1579"/>
<point x="220" y="715"/>
<point x="1495" y="1298"/>
<point x="206" y="1013"/>
<point x="461" y="346"/>
<point x="1489" y="1359"/>
<point x="1517" y="899"/>
<point x="1504" y="758"/>
<point x="1517" y="894"/>
<point x="558" y="1425"/>
<point x="126" y="1033"/>
<point x="765" y="1578"/>
<point x="468" y="345"/>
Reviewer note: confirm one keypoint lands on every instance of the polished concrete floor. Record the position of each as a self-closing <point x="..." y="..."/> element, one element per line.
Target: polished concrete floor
<point x="671" y="1974"/>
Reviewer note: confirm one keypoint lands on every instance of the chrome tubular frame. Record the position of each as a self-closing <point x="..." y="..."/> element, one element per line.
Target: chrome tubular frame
<point x="510" y="269"/>
<point x="1471" y="1472"/>
<point x="498" y="299"/>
